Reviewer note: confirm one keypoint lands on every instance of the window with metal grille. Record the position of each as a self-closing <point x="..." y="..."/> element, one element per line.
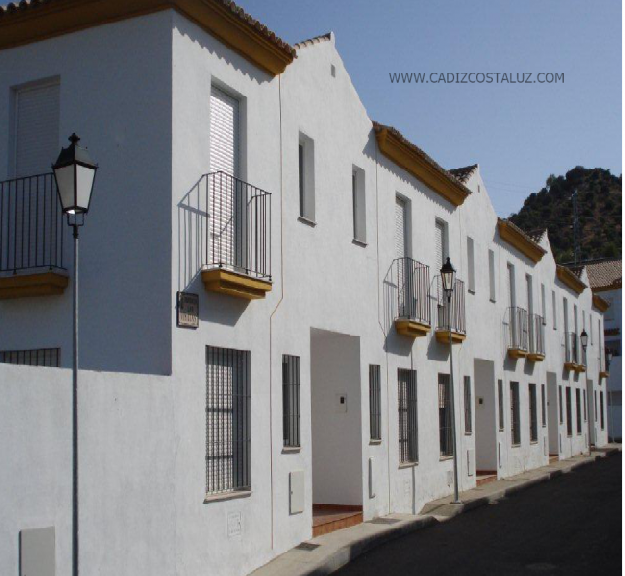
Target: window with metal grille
<point x="40" y="357"/>
<point x="543" y="405"/>
<point x="444" y="415"/>
<point x="468" y="412"/>
<point x="585" y="413"/>
<point x="500" y="391"/>
<point x="290" y="401"/>
<point x="515" y="415"/>
<point x="375" y="411"/>
<point x="569" y="414"/>
<point x="533" y="414"/>
<point x="491" y="275"/>
<point x="228" y="412"/>
<point x="601" y="408"/>
<point x="560" y="403"/>
<point x="578" y="410"/>
<point x="471" y="263"/>
<point x="408" y="423"/>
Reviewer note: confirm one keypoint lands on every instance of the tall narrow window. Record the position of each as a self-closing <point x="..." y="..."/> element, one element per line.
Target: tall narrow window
<point x="359" y="205"/>
<point x="444" y="415"/>
<point x="402" y="236"/>
<point x="515" y="414"/>
<point x="554" y="311"/>
<point x="408" y="430"/>
<point x="491" y="275"/>
<point x="511" y="286"/>
<point x="592" y="340"/>
<point x="543" y="406"/>
<point x="471" y="263"/>
<point x="560" y="404"/>
<point x="529" y="285"/>
<point x="468" y="408"/>
<point x="440" y="239"/>
<point x="543" y="303"/>
<point x="585" y="412"/>
<point x="306" y="178"/>
<point x="533" y="414"/>
<point x="228" y="410"/>
<point x="290" y="401"/>
<point x="578" y="410"/>
<point x="601" y="408"/>
<point x="500" y="393"/>
<point x="569" y="413"/>
<point x="375" y="410"/>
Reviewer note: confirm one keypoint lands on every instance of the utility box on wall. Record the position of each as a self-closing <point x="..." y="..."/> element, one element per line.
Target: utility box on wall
<point x="37" y="552"/>
<point x="296" y="491"/>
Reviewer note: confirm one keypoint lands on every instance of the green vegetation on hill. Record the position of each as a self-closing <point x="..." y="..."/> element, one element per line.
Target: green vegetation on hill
<point x="599" y="199"/>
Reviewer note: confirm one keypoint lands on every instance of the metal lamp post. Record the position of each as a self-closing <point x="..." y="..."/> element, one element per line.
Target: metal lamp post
<point x="74" y="173"/>
<point x="448" y="277"/>
<point x="583" y="338"/>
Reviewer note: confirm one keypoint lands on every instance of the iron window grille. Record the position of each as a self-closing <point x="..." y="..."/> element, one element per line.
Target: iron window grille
<point x="571" y="348"/>
<point x="533" y="414"/>
<point x="560" y="404"/>
<point x="468" y="416"/>
<point x="408" y="421"/>
<point x="585" y="413"/>
<point x="578" y="410"/>
<point x="501" y="412"/>
<point x="515" y="415"/>
<point x="517" y="328"/>
<point x="444" y="416"/>
<point x="450" y="313"/>
<point x="569" y="413"/>
<point x="291" y="401"/>
<point x="601" y="409"/>
<point x="413" y="289"/>
<point x="31" y="227"/>
<point x="228" y="415"/>
<point x="543" y="406"/>
<point x="536" y="334"/>
<point x="40" y="357"/>
<point x="375" y="411"/>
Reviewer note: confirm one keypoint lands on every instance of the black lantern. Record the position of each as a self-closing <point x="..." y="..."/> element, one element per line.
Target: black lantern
<point x="74" y="173"/>
<point x="448" y="276"/>
<point x="583" y="337"/>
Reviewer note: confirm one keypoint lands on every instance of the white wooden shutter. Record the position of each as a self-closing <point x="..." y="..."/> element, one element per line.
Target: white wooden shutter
<point x="440" y="243"/>
<point x="36" y="129"/>
<point x="400" y="227"/>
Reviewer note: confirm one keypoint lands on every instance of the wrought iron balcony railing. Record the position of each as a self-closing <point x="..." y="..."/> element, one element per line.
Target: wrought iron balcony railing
<point x="450" y="314"/>
<point x="536" y="337"/>
<point x="31" y="227"/>
<point x="571" y="349"/>
<point x="413" y="283"/>
<point x="516" y="324"/>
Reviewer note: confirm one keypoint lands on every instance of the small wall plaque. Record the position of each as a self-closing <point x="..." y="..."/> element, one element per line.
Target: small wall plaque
<point x="187" y="310"/>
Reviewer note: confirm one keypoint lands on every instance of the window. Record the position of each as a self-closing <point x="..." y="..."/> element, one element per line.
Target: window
<point x="491" y="275"/>
<point x="402" y="234"/>
<point x="441" y="246"/>
<point x="554" y="312"/>
<point x="601" y="408"/>
<point x="560" y="404"/>
<point x="408" y="430"/>
<point x="592" y="340"/>
<point x="569" y="413"/>
<point x="500" y="391"/>
<point x="306" y="178"/>
<point x="290" y="401"/>
<point x="533" y="414"/>
<point x="444" y="415"/>
<point x="515" y="415"/>
<point x="471" y="263"/>
<point x="36" y="128"/>
<point x="40" y="357"/>
<point x="511" y="285"/>
<point x="585" y="413"/>
<point x="543" y="303"/>
<point x="543" y="406"/>
<point x="228" y="410"/>
<point x="578" y="410"/>
<point x="375" y="411"/>
<point x="359" y="205"/>
<point x="468" y="416"/>
<point x="529" y="287"/>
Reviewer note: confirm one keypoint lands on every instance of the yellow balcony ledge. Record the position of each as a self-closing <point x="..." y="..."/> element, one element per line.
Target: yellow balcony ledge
<point x="34" y="284"/>
<point x="456" y="337"/>
<point x="604" y="374"/>
<point x="517" y="353"/>
<point x="235" y="284"/>
<point x="580" y="368"/>
<point x="535" y="357"/>
<point x="411" y="328"/>
<point x="569" y="366"/>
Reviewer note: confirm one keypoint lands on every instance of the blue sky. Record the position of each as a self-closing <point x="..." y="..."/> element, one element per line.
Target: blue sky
<point x="519" y="134"/>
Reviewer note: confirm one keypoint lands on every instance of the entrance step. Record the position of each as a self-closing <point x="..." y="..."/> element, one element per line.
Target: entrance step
<point x="553" y="458"/>
<point x="485" y="476"/>
<point x="330" y="517"/>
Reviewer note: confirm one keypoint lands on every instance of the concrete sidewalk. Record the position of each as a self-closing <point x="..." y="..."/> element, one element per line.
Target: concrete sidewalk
<point x="326" y="554"/>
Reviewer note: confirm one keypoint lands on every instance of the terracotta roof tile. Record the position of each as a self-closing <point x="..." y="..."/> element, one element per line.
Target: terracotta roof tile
<point x="605" y="274"/>
<point x="537" y="235"/>
<point x="463" y="174"/>
<point x="315" y="40"/>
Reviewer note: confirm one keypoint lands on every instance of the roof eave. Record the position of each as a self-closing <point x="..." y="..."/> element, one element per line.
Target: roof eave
<point x="516" y="238"/>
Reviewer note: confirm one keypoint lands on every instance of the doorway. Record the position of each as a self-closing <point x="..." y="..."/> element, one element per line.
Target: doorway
<point x="485" y="421"/>
<point x="337" y="469"/>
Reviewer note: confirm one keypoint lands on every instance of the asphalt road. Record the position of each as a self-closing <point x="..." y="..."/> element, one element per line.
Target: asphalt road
<point x="570" y="525"/>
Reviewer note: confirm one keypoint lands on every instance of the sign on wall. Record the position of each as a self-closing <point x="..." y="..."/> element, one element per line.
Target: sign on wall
<point x="187" y="310"/>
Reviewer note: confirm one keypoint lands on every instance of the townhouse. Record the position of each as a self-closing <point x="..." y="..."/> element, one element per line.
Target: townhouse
<point x="264" y="336"/>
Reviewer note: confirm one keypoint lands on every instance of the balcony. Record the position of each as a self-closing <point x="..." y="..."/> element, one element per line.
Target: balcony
<point x="31" y="238"/>
<point x="604" y="364"/>
<point x="581" y="365"/>
<point x="412" y="280"/>
<point x="572" y="357"/>
<point x="450" y="315"/>
<point x="536" y="352"/>
<point x="516" y="325"/>
<point x="236" y="259"/>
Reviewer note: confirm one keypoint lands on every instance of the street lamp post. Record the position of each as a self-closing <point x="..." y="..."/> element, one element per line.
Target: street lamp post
<point x="74" y="174"/>
<point x="583" y="337"/>
<point x="448" y="277"/>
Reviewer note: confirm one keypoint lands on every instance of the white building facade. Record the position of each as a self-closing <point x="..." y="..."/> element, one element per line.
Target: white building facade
<point x="248" y="173"/>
